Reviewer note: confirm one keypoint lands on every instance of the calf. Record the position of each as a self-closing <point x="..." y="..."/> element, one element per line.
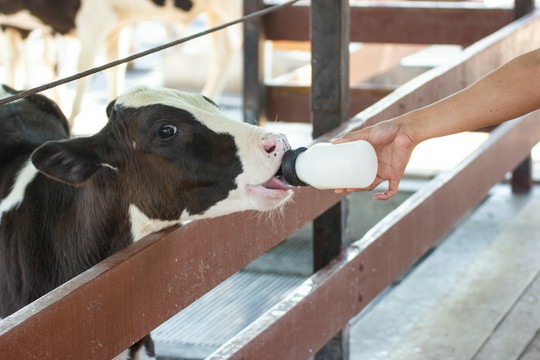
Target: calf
<point x="98" y="24"/>
<point x="164" y="157"/>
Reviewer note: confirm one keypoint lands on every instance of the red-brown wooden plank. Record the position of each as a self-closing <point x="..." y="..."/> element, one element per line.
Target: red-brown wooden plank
<point x="412" y="22"/>
<point x="104" y="310"/>
<point x="291" y="103"/>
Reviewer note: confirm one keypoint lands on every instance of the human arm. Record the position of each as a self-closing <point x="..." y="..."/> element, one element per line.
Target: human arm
<point x="506" y="93"/>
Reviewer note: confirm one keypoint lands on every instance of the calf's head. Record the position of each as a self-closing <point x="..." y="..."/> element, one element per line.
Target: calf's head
<point x="173" y="156"/>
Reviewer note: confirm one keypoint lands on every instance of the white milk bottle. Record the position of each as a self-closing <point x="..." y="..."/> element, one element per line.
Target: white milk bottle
<point x="331" y="166"/>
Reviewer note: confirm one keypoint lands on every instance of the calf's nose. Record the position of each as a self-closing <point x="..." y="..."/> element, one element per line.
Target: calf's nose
<point x="275" y="143"/>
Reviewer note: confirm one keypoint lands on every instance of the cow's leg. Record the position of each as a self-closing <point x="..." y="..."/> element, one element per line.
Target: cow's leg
<point x="93" y="24"/>
<point x="25" y="63"/>
<point x="220" y="61"/>
<point x="86" y="59"/>
<point x="11" y="55"/>
<point x="50" y="53"/>
<point x="90" y="45"/>
<point x="117" y="47"/>
<point x="50" y="59"/>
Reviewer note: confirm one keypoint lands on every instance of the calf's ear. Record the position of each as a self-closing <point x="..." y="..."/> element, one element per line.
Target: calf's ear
<point x="71" y="161"/>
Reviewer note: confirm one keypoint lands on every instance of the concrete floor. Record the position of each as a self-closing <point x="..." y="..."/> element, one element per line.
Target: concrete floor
<point x="462" y="301"/>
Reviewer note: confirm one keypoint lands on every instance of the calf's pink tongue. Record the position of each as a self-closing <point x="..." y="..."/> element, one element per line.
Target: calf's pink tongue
<point x="276" y="184"/>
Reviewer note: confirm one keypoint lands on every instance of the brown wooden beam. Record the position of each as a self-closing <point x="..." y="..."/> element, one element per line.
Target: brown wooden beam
<point x="291" y="103"/>
<point x="412" y="22"/>
<point x="103" y="311"/>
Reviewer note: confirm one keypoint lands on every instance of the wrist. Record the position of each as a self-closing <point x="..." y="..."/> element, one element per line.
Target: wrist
<point x="413" y="126"/>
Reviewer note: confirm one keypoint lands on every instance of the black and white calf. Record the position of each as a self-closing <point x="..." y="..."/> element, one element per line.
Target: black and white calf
<point x="164" y="157"/>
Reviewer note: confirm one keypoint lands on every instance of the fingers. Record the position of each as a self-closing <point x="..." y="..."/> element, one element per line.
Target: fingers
<point x="390" y="191"/>
<point x="384" y="196"/>
<point x="353" y="136"/>
<point x="341" y="191"/>
<point x="373" y="185"/>
<point x="339" y="140"/>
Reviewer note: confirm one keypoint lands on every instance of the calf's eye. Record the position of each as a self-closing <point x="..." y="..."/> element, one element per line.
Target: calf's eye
<point x="166" y="132"/>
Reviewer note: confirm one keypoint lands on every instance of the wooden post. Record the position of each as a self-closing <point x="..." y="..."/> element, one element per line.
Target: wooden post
<point x="253" y="82"/>
<point x="522" y="176"/>
<point x="329" y="34"/>
<point x="330" y="64"/>
<point x="522" y="7"/>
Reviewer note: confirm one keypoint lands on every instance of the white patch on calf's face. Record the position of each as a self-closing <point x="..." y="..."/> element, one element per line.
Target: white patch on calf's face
<point x="142" y="225"/>
<point x="16" y="195"/>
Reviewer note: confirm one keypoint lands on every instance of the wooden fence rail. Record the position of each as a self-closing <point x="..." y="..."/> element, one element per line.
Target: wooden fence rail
<point x="303" y="322"/>
<point x="330" y="298"/>
<point x="386" y="22"/>
<point x="409" y="22"/>
<point x="104" y="310"/>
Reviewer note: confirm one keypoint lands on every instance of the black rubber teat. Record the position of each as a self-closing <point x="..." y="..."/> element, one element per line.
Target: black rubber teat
<point x="288" y="167"/>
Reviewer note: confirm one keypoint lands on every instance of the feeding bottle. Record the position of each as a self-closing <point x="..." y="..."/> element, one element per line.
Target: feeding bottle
<point x="331" y="166"/>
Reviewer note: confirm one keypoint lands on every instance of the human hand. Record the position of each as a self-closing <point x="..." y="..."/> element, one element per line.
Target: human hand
<point x="393" y="147"/>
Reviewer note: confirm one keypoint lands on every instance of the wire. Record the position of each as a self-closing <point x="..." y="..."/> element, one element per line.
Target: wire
<point x="111" y="64"/>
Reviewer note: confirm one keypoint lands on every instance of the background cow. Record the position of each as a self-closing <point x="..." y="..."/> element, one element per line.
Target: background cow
<point x="164" y="157"/>
<point x="102" y="24"/>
